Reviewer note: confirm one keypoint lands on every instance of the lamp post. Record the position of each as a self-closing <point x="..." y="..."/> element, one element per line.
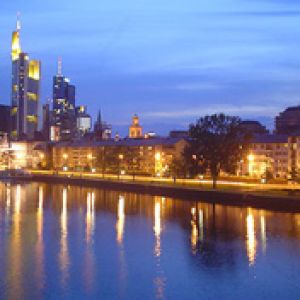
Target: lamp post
<point x="90" y="158"/>
<point x="65" y="157"/>
<point x="121" y="157"/>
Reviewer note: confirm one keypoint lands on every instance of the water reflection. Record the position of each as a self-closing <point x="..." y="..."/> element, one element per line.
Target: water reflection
<point x="263" y="232"/>
<point x="64" y="251"/>
<point x="120" y="235"/>
<point x="101" y="244"/>
<point x="201" y="225"/>
<point x="15" y="267"/>
<point x="194" y="231"/>
<point x="120" y="219"/>
<point x="159" y="280"/>
<point x="90" y="215"/>
<point x="251" y="238"/>
<point x="40" y="242"/>
<point x="89" y="263"/>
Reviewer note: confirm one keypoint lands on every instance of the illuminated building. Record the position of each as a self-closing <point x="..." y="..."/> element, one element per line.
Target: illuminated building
<point x="83" y="121"/>
<point x="22" y="154"/>
<point x="267" y="154"/>
<point x="64" y="115"/>
<point x="135" y="130"/>
<point x="25" y="91"/>
<point x="133" y="156"/>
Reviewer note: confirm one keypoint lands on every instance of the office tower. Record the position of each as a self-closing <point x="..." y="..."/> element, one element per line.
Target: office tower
<point x="288" y="121"/>
<point x="64" y="116"/>
<point x="25" y="92"/>
<point x="83" y="121"/>
<point x="46" y="121"/>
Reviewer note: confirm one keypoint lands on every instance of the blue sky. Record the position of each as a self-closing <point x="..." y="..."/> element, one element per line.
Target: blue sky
<point x="168" y="61"/>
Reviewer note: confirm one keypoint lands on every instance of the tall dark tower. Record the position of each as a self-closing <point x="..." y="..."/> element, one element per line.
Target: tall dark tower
<point x="64" y="104"/>
<point x="25" y="91"/>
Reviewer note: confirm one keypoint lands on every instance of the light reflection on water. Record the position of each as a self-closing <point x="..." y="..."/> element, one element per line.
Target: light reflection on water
<point x="73" y="243"/>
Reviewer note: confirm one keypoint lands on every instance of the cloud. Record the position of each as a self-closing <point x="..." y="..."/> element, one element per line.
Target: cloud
<point x="243" y="111"/>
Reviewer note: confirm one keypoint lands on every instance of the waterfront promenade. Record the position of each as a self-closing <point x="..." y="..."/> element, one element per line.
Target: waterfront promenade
<point x="275" y="196"/>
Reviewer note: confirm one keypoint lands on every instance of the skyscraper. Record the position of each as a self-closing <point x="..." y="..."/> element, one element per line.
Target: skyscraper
<point x="25" y="92"/>
<point x="64" y="105"/>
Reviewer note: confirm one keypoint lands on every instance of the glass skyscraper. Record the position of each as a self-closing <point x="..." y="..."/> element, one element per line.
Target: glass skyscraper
<point x="64" y="115"/>
<point x="25" y="92"/>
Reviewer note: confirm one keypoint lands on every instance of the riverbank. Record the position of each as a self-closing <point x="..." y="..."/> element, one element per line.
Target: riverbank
<point x="242" y="198"/>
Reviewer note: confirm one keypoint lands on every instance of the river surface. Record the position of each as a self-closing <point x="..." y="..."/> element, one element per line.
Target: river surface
<point x="62" y="242"/>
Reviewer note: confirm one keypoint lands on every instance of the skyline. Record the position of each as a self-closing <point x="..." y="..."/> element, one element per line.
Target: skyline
<point x="146" y="58"/>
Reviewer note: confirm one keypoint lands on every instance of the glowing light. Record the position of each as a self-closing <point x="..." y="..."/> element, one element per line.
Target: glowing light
<point x="157" y="156"/>
<point x="65" y="156"/>
<point x="34" y="70"/>
<point x="251" y="157"/>
<point x="251" y="238"/>
<point x="157" y="227"/>
<point x="15" y="47"/>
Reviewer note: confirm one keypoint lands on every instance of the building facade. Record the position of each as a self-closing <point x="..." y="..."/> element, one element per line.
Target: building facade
<point x="268" y="156"/>
<point x="144" y="156"/>
<point x="25" y="91"/>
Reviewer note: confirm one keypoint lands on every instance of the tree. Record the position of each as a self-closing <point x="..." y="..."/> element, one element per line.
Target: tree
<point x="177" y="168"/>
<point x="217" y="143"/>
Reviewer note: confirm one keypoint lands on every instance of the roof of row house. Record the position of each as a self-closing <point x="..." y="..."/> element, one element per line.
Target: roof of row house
<point x="168" y="141"/>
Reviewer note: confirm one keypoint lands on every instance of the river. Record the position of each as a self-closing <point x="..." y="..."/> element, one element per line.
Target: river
<point x="68" y="242"/>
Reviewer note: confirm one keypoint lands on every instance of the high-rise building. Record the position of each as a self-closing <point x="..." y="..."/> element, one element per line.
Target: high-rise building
<point x="46" y="122"/>
<point x="25" y="92"/>
<point x="64" y="115"/>
<point x="83" y="121"/>
<point x="288" y="122"/>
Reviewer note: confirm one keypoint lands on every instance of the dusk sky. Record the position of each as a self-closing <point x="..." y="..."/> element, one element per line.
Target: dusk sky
<point x="168" y="61"/>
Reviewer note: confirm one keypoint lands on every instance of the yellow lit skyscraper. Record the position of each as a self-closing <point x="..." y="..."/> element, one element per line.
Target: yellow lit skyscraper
<point x="25" y="92"/>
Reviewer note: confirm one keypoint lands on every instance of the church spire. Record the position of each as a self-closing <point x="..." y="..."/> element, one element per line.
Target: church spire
<point x="99" y="118"/>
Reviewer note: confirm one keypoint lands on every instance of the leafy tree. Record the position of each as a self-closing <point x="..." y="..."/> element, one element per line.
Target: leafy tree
<point x="177" y="168"/>
<point x="217" y="143"/>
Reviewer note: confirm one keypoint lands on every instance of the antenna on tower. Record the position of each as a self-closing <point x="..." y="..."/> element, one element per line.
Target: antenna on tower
<point x="59" y="66"/>
<point x="18" y="21"/>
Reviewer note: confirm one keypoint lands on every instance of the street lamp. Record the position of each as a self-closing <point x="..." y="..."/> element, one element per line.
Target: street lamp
<point x="90" y="157"/>
<point x="121" y="157"/>
<point x="65" y="157"/>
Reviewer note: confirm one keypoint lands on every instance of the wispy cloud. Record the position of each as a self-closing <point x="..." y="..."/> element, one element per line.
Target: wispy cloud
<point x="243" y="111"/>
